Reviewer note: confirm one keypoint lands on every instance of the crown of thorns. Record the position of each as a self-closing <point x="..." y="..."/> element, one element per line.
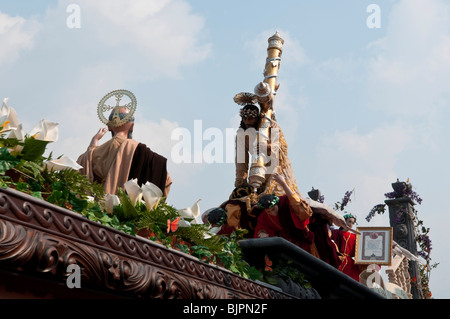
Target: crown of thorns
<point x="217" y="217"/>
<point x="244" y="98"/>
<point x="248" y="112"/>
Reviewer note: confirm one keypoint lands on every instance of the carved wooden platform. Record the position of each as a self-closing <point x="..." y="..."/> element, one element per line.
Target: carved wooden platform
<point x="38" y="241"/>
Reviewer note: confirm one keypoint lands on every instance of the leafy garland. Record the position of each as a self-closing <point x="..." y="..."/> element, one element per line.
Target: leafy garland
<point x="422" y="233"/>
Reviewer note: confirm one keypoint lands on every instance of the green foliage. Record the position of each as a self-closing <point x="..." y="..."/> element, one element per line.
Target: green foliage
<point x="126" y="211"/>
<point x="218" y="249"/>
<point x="9" y="142"/>
<point x="72" y="180"/>
<point x="156" y="219"/>
<point x="94" y="212"/>
<point x="286" y="271"/>
<point x="7" y="161"/>
<point x="33" y="149"/>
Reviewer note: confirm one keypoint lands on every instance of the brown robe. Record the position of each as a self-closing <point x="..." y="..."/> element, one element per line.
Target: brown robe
<point x="120" y="159"/>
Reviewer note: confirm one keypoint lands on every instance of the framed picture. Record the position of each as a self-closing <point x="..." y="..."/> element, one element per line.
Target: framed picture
<point x="374" y="246"/>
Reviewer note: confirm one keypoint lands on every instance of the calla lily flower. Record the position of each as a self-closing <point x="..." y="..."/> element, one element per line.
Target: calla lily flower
<point x="133" y="190"/>
<point x="45" y="131"/>
<point x="8" y="117"/>
<point x="152" y="194"/>
<point x="18" y="134"/>
<point x="183" y="223"/>
<point x="192" y="212"/>
<point x="111" y="201"/>
<point x="62" y="163"/>
<point x="215" y="230"/>
<point x="149" y="192"/>
<point x="212" y="232"/>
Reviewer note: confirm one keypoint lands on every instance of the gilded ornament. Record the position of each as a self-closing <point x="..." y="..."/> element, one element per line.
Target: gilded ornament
<point x="116" y="120"/>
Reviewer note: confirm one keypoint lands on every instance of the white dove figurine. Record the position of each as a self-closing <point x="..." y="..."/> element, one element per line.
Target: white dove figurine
<point x="192" y="212"/>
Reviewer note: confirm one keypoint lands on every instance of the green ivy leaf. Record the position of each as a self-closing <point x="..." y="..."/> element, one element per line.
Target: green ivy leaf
<point x="184" y="248"/>
<point x="55" y="197"/>
<point x="271" y="280"/>
<point x="23" y="187"/>
<point x="255" y="274"/>
<point x="4" y="183"/>
<point x="7" y="161"/>
<point x="78" y="204"/>
<point x="37" y="194"/>
<point x="33" y="149"/>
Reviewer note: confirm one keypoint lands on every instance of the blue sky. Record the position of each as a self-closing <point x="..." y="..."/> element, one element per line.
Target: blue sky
<point x="359" y="107"/>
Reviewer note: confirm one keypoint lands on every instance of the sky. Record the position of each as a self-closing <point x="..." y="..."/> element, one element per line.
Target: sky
<point x="364" y="94"/>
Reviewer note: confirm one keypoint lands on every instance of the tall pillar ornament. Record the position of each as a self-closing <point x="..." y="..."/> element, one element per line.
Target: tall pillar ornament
<point x="401" y="217"/>
<point x="265" y="92"/>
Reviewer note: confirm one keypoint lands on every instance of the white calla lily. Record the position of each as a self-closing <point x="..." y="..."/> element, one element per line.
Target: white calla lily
<point x="215" y="230"/>
<point x="62" y="163"/>
<point x="111" y="201"/>
<point x="152" y="194"/>
<point x="8" y="117"/>
<point x="212" y="232"/>
<point x="133" y="190"/>
<point x="45" y="131"/>
<point x="17" y="133"/>
<point x="192" y="212"/>
<point x="184" y="223"/>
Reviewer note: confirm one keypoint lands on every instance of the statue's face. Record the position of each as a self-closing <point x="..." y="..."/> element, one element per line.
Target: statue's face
<point x="272" y="210"/>
<point x="249" y="121"/>
<point x="350" y="222"/>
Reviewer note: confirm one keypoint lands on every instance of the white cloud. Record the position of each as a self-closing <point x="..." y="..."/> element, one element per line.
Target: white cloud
<point x="366" y="162"/>
<point x="162" y="35"/>
<point x="376" y="150"/>
<point x="344" y="70"/>
<point x="120" y="44"/>
<point x="411" y="72"/>
<point x="16" y="35"/>
<point x="156" y="135"/>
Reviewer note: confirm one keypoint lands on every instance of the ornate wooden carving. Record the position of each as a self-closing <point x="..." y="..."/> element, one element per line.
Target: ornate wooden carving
<point x="42" y="239"/>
